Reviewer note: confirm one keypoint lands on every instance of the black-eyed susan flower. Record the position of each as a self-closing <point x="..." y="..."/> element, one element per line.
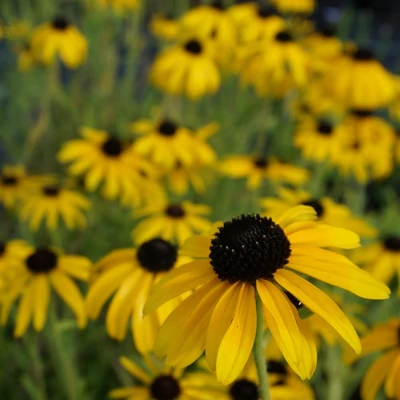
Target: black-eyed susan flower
<point x="120" y="6"/>
<point x="171" y="221"/>
<point x="102" y="158"/>
<point x="381" y="259"/>
<point x="359" y="81"/>
<point x="256" y="169"/>
<point x="51" y="202"/>
<point x="167" y="143"/>
<point x="12" y="253"/>
<point x="13" y="184"/>
<point x="163" y="383"/>
<point x="164" y="27"/>
<point x="295" y="6"/>
<point x="318" y="140"/>
<point x="275" y="67"/>
<point x="128" y="275"/>
<point x="26" y="58"/>
<point x="59" y="38"/>
<point x="251" y="255"/>
<point x="385" y="370"/>
<point x="187" y="68"/>
<point x="328" y="211"/>
<point x="40" y="270"/>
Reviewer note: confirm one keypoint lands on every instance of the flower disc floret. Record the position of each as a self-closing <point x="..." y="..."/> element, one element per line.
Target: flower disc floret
<point x="112" y="147"/>
<point x="2" y="248"/>
<point x="9" y="180"/>
<point x="51" y="190"/>
<point x="244" y="389"/>
<point x="392" y="243"/>
<point x="249" y="248"/>
<point x="175" y="211"/>
<point x="325" y="128"/>
<point x="42" y="260"/>
<point x="167" y="128"/>
<point x="157" y="255"/>
<point x="194" y="47"/>
<point x="165" y="387"/>
<point x="60" y="23"/>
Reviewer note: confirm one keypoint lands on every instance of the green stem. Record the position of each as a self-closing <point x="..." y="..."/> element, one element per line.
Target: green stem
<point x="258" y="354"/>
<point x="335" y="377"/>
<point x="62" y="360"/>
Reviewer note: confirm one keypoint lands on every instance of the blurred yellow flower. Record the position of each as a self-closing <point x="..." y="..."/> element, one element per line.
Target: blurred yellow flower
<point x="295" y="6"/>
<point x="164" y="27"/>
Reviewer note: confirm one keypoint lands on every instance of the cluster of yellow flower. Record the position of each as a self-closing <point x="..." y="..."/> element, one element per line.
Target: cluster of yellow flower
<point x="189" y="286"/>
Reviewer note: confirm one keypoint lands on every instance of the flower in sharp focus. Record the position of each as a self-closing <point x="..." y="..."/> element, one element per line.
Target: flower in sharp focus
<point x="128" y="275"/>
<point x="295" y="6"/>
<point x="103" y="158"/>
<point x="250" y="255"/>
<point x="171" y="221"/>
<point x="59" y="38"/>
<point x="163" y="383"/>
<point x="186" y="68"/>
<point x="328" y="211"/>
<point x="51" y="202"/>
<point x="32" y="278"/>
<point x="120" y="6"/>
<point x="359" y="81"/>
<point x="256" y="169"/>
<point x="385" y="370"/>
<point x="166" y="143"/>
<point x="381" y="259"/>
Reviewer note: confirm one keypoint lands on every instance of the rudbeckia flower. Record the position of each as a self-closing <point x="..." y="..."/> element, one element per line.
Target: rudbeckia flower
<point x="318" y="140"/>
<point x="26" y="58"/>
<point x="166" y="143"/>
<point x="328" y="211"/>
<point x="249" y="256"/>
<point x="276" y="67"/>
<point x="359" y="81"/>
<point x="187" y="68"/>
<point x="13" y="184"/>
<point x="42" y="269"/>
<point x="161" y="383"/>
<point x="381" y="259"/>
<point x="51" y="202"/>
<point x="295" y="6"/>
<point x="164" y="27"/>
<point x="176" y="221"/>
<point x="120" y="6"/>
<point x="386" y="368"/>
<point x="256" y="169"/>
<point x="128" y="275"/>
<point x="103" y="158"/>
<point x="59" y="38"/>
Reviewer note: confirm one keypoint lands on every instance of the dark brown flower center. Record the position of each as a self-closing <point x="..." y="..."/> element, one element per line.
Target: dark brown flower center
<point x="60" y="23"/>
<point x="157" y="255"/>
<point x="2" y="248"/>
<point x="9" y="180"/>
<point x="165" y="387"/>
<point x="316" y="205"/>
<point x="362" y="113"/>
<point x="249" y="248"/>
<point x="112" y="147"/>
<point x="265" y="11"/>
<point x="243" y="389"/>
<point x="284" y="37"/>
<point x="167" y="128"/>
<point x="277" y="367"/>
<point x="261" y="162"/>
<point x="51" y="190"/>
<point x="42" y="260"/>
<point x="193" y="47"/>
<point x="392" y="243"/>
<point x="217" y="5"/>
<point x="175" y="211"/>
<point x="325" y="128"/>
<point x="363" y="54"/>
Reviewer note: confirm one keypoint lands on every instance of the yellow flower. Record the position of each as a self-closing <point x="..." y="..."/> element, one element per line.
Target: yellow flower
<point x="275" y="67"/>
<point x="103" y="158"/>
<point x="187" y="68"/>
<point x="381" y="259"/>
<point x="120" y="6"/>
<point x="250" y="255"/>
<point x="129" y="274"/>
<point x="171" y="221"/>
<point x="386" y="368"/>
<point x="40" y="270"/>
<point x="26" y="58"/>
<point x="164" y="27"/>
<point x="14" y="184"/>
<point x="166" y="143"/>
<point x="327" y="210"/>
<point x="318" y="140"/>
<point x="159" y="383"/>
<point x="295" y="6"/>
<point x="256" y="169"/>
<point x="52" y="202"/>
<point x="359" y="81"/>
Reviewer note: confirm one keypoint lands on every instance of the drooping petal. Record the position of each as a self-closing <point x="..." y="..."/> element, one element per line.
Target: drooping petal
<point x="42" y="299"/>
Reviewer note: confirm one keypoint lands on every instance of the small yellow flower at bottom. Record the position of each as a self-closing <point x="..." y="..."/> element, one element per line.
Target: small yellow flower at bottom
<point x="31" y="280"/>
<point x="250" y="254"/>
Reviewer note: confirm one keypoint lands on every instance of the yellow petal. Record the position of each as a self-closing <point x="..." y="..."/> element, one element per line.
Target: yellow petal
<point x="42" y="299"/>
